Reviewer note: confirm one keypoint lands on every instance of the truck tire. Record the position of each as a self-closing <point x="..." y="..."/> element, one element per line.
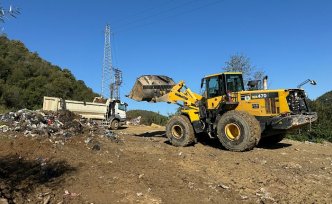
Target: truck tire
<point x="180" y="131"/>
<point x="238" y="131"/>
<point x="114" y="124"/>
<point x="272" y="140"/>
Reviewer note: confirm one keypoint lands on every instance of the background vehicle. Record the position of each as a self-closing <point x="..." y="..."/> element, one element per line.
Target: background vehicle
<point x="239" y="118"/>
<point x="108" y="112"/>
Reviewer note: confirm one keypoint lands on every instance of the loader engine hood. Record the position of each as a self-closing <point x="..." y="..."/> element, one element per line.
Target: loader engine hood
<point x="151" y="88"/>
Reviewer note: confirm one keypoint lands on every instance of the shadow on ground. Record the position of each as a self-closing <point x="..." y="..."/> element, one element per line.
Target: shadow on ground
<point x="279" y="145"/>
<point x="205" y="140"/>
<point x="20" y="176"/>
<point x="215" y="143"/>
<point x="152" y="134"/>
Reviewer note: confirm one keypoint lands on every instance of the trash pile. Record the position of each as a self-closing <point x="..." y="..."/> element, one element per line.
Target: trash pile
<point x="37" y="122"/>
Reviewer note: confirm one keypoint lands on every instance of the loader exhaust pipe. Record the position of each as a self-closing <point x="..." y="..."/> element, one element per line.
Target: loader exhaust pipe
<point x="265" y="83"/>
<point x="151" y="88"/>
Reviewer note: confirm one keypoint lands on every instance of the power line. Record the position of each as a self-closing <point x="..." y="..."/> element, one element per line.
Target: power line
<point x="167" y="10"/>
<point x="137" y="14"/>
<point x="170" y="16"/>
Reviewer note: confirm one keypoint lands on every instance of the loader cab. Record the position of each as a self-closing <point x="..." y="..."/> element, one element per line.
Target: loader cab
<point x="218" y="86"/>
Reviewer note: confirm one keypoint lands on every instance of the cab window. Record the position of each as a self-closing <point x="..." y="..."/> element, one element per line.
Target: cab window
<point x="122" y="107"/>
<point x="234" y="82"/>
<point x="213" y="87"/>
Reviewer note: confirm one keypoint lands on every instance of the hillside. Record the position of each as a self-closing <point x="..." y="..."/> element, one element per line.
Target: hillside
<point x="325" y="98"/>
<point x="148" y="117"/>
<point x="25" y="78"/>
<point x="320" y="129"/>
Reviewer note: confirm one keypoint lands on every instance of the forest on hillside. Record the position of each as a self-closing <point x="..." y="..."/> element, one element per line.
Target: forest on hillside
<point x="25" y="78"/>
<point x="147" y="117"/>
<point x="322" y="128"/>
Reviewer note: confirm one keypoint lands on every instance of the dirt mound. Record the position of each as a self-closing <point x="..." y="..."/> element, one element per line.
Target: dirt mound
<point x="138" y="165"/>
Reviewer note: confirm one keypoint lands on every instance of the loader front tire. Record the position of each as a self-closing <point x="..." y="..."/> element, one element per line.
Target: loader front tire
<point x="238" y="131"/>
<point x="180" y="131"/>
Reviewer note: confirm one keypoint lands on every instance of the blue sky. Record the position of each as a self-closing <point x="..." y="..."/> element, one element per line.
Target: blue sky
<point x="184" y="39"/>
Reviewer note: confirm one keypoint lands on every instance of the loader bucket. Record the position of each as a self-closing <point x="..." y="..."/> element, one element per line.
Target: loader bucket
<point x="151" y="88"/>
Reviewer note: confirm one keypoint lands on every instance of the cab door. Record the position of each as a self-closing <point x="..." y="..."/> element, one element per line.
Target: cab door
<point x="214" y="91"/>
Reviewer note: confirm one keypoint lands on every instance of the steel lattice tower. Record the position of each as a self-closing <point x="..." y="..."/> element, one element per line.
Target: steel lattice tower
<point x="115" y="86"/>
<point x="107" y="65"/>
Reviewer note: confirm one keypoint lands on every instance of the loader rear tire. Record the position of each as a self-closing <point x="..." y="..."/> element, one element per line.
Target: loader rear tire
<point x="238" y="131"/>
<point x="180" y="131"/>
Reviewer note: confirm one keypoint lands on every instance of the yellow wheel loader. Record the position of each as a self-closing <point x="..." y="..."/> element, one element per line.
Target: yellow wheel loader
<point x="239" y="118"/>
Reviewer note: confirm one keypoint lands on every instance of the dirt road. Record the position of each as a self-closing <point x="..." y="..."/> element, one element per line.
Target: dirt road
<point x="139" y="166"/>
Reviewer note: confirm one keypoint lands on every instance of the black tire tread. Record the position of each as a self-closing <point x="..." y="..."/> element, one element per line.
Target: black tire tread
<point x="255" y="131"/>
<point x="189" y="138"/>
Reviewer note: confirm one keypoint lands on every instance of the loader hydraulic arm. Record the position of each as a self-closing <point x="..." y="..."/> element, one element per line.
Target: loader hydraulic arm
<point x="180" y="92"/>
<point x="159" y="88"/>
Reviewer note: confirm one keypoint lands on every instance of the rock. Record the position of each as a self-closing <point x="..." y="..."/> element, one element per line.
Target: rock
<point x="87" y="140"/>
<point x="264" y="195"/>
<point x="96" y="147"/>
<point x="4" y="128"/>
<point x="243" y="197"/>
<point x="139" y="194"/>
<point x="155" y="125"/>
<point x="263" y="162"/>
<point x="3" y="201"/>
<point x="47" y="199"/>
<point x="291" y="165"/>
<point x="223" y="186"/>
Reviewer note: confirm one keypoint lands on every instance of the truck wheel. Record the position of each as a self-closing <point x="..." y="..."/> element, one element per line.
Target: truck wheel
<point x="272" y="140"/>
<point x="114" y="124"/>
<point x="238" y="131"/>
<point x="180" y="131"/>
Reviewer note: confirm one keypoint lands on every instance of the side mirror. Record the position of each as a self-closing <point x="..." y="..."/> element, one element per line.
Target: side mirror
<point x="202" y="83"/>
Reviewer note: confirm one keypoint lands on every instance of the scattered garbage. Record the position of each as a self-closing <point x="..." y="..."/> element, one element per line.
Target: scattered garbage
<point x="42" y="123"/>
<point x="67" y="193"/>
<point x="48" y="123"/>
<point x="135" y="121"/>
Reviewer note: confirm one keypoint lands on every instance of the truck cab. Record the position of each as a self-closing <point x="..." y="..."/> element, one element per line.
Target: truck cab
<point x="116" y="114"/>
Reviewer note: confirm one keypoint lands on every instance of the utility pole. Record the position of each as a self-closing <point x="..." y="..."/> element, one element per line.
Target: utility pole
<point x="107" y="65"/>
